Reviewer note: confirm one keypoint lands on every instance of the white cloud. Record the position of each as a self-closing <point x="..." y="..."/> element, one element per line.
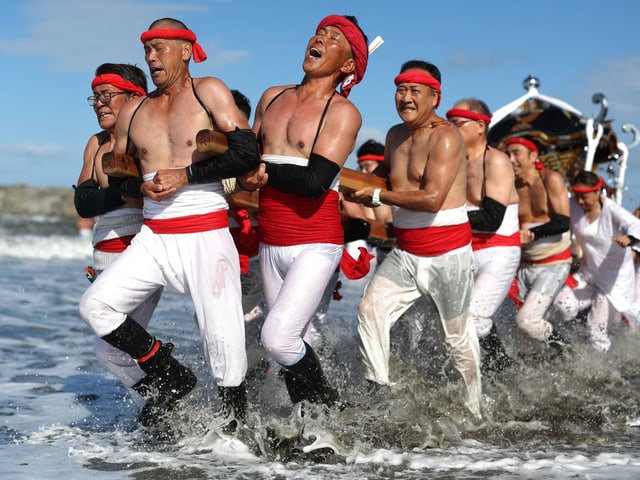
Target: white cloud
<point x="71" y="34"/>
<point x="33" y="150"/>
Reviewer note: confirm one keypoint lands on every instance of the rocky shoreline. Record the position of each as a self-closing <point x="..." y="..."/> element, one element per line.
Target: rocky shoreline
<point x="30" y="200"/>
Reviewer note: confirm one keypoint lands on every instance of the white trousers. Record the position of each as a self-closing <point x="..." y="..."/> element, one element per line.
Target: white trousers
<point x="570" y="301"/>
<point x="295" y="280"/>
<point x="494" y="269"/>
<point x="399" y="282"/>
<point x="119" y="363"/>
<point x="538" y="287"/>
<point x="204" y="265"/>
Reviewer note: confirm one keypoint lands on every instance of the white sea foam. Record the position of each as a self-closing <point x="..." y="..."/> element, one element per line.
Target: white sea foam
<point x="62" y="415"/>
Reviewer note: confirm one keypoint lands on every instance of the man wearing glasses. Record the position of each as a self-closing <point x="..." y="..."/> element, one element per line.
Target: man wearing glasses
<point x="492" y="202"/>
<point x="117" y="218"/>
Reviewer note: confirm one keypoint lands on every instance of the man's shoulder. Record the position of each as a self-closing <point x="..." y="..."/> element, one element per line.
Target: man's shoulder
<point x="553" y="177"/>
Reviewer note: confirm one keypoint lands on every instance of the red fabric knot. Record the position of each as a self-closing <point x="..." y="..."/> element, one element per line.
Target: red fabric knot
<point x="461" y="112"/>
<point x="356" y="269"/>
<point x="118" y="82"/>
<point x="359" y="49"/>
<point x="421" y="77"/>
<point x="198" y="53"/>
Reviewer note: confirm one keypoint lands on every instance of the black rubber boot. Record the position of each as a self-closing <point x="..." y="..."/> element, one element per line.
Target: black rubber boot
<point x="166" y="383"/>
<point x="495" y="358"/>
<point x="306" y="381"/>
<point x="234" y="405"/>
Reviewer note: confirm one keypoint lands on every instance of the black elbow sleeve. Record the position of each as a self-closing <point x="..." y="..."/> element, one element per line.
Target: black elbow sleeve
<point x="489" y="217"/>
<point x="241" y="157"/>
<point x="127" y="187"/>
<point x="311" y="181"/>
<point x="558" y="224"/>
<point x="90" y="200"/>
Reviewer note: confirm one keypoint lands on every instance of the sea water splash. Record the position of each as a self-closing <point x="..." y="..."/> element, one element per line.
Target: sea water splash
<point x="573" y="417"/>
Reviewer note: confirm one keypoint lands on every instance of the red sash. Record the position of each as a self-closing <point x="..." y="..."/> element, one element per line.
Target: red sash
<point x="487" y="240"/>
<point x="564" y="255"/>
<point x="433" y="241"/>
<point x="288" y="219"/>
<point x="189" y="223"/>
<point x="114" y="245"/>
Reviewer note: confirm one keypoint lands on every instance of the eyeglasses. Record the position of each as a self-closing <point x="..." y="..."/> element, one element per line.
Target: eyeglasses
<point x="459" y="123"/>
<point x="104" y="97"/>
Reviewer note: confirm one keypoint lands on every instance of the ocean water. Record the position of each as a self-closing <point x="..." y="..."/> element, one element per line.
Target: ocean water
<point x="62" y="414"/>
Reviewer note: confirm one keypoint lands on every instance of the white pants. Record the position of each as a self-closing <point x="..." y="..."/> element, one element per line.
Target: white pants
<point x="295" y="280"/>
<point x="538" y="286"/>
<point x="121" y="364"/>
<point x="570" y="301"/>
<point x="494" y="268"/>
<point x="205" y="265"/>
<point x="399" y="282"/>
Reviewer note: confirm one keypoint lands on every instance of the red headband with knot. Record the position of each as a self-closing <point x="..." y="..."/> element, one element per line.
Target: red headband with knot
<point x="118" y="82"/>
<point x="371" y="157"/>
<point x="461" y="112"/>
<point x="418" y="76"/>
<point x="188" y="35"/>
<point x="359" y="49"/>
<point x="524" y="142"/>
<point x="595" y="188"/>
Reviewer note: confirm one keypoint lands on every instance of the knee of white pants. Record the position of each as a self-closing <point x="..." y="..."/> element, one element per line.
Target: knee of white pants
<point x="98" y="316"/>
<point x="284" y="349"/>
<point x="536" y="328"/>
<point x="483" y="325"/>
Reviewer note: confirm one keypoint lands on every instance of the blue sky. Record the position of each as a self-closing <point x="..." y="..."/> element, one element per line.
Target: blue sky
<point x="49" y="52"/>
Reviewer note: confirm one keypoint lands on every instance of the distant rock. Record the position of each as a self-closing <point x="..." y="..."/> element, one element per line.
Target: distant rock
<point x="29" y="200"/>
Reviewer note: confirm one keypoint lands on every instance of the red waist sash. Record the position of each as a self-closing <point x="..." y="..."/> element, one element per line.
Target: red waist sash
<point x="558" y="257"/>
<point x="189" y="223"/>
<point x="114" y="245"/>
<point x="288" y="219"/>
<point x="487" y="240"/>
<point x="433" y="241"/>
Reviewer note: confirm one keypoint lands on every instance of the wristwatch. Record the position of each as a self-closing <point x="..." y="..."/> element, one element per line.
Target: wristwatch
<point x="375" y="198"/>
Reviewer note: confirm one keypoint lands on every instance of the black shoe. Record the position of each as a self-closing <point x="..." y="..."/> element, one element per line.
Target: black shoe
<point x="166" y="383"/>
<point x="305" y="380"/>
<point x="234" y="406"/>
<point x="495" y="358"/>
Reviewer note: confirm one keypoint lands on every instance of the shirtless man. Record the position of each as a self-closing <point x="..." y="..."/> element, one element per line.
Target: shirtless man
<point x="425" y="159"/>
<point x="545" y="237"/>
<point x="307" y="132"/>
<point x="118" y="218"/>
<point x="492" y="201"/>
<point x="185" y="244"/>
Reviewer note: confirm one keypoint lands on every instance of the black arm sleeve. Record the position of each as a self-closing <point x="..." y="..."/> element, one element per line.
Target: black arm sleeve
<point x="310" y="181"/>
<point x="557" y="224"/>
<point x="126" y="187"/>
<point x="241" y="157"/>
<point x="90" y="200"/>
<point x="489" y="217"/>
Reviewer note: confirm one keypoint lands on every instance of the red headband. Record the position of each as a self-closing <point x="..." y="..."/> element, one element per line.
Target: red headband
<point x="118" y="82"/>
<point x="524" y="142"/>
<point x="371" y="157"/>
<point x="418" y="76"/>
<point x="188" y="35"/>
<point x="595" y="188"/>
<point x="358" y="45"/>
<point x="461" y="112"/>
